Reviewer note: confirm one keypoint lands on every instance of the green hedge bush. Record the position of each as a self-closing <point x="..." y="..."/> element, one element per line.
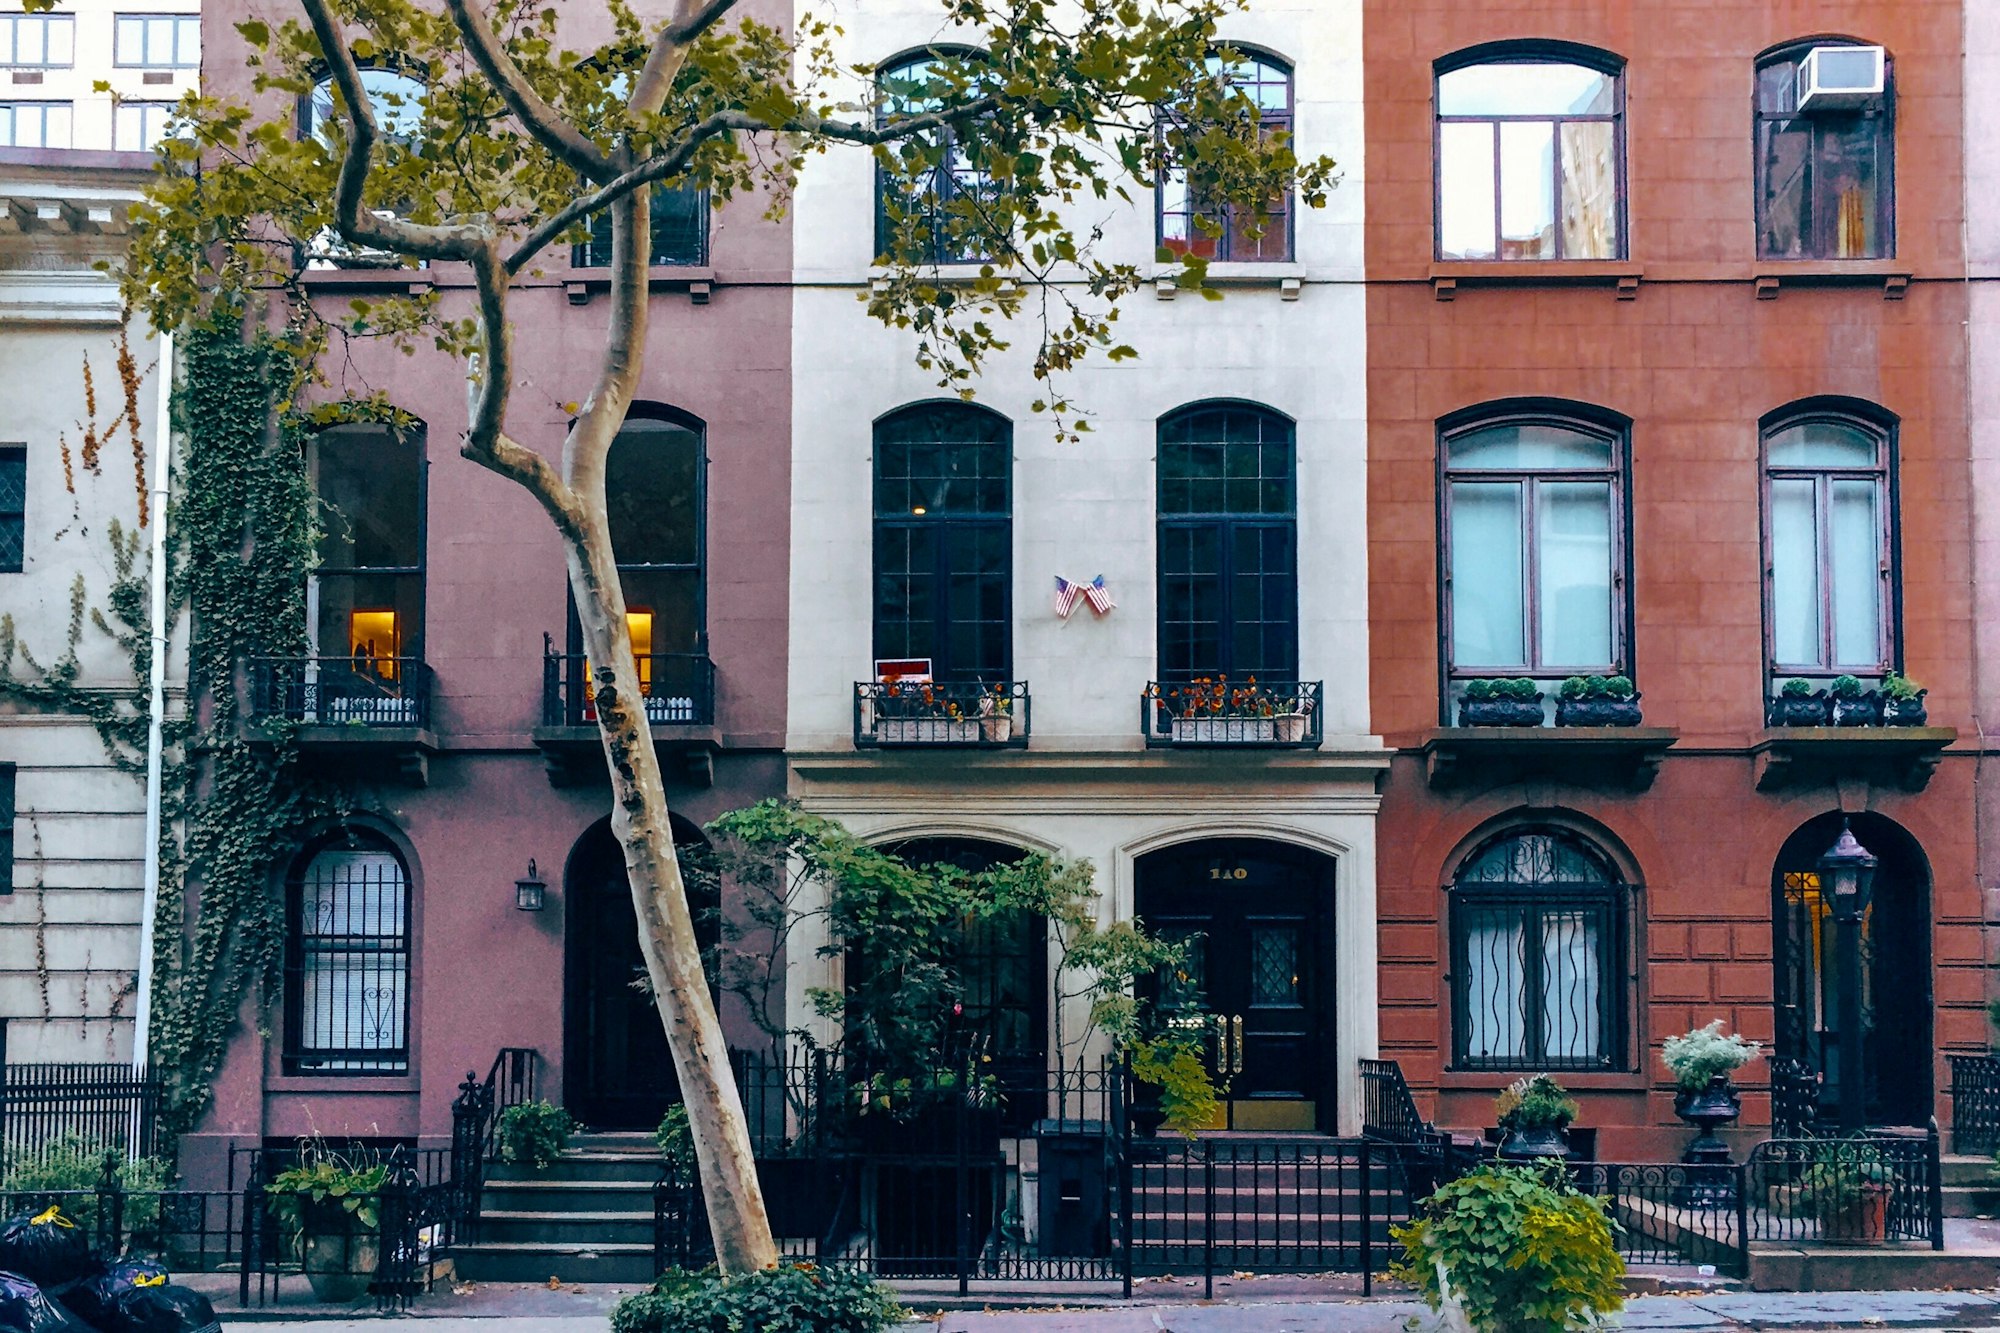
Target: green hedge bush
<point x="795" y="1298"/>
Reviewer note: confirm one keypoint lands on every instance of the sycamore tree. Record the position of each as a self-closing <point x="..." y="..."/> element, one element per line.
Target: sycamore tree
<point x="501" y="141"/>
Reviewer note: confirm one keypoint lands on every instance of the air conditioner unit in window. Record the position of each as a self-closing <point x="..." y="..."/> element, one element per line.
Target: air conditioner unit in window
<point x="1841" y="78"/>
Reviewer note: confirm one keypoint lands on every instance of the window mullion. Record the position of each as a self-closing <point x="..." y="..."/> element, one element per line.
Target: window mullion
<point x="1531" y="573"/>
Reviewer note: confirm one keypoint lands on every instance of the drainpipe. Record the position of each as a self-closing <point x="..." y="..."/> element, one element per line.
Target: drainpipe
<point x="163" y="459"/>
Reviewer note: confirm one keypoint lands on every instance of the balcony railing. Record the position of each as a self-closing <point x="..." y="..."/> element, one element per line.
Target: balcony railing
<point x="1218" y="711"/>
<point x="343" y="691"/>
<point x="679" y="690"/>
<point x="953" y="713"/>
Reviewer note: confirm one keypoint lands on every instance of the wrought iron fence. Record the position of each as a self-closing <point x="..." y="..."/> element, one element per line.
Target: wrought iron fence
<point x="1975" y="1104"/>
<point x="1871" y="1188"/>
<point x="678" y="689"/>
<point x="946" y="713"/>
<point x="1282" y="713"/>
<point x="1795" y="1093"/>
<point x="343" y="691"/>
<point x="111" y="1105"/>
<point x="1673" y="1214"/>
<point x="189" y="1231"/>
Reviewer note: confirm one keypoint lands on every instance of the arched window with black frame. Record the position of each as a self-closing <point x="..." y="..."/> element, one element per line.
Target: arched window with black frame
<point x="936" y="209"/>
<point x="1826" y="151"/>
<point x="1191" y="220"/>
<point x="679" y="232"/>
<point x="397" y="94"/>
<point x="655" y="499"/>
<point x="1228" y="544"/>
<point x="347" y="957"/>
<point x="1535" y="564"/>
<point x="1830" y="550"/>
<point x="365" y="596"/>
<point x="944" y="537"/>
<point x="1531" y="153"/>
<point x="1537" y="942"/>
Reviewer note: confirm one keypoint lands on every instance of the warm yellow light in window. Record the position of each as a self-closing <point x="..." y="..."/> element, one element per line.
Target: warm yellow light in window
<point x="372" y="642"/>
<point x="638" y="628"/>
<point x="918" y="510"/>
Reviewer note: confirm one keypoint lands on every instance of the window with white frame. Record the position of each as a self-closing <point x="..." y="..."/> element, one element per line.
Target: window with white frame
<point x="138" y="126"/>
<point x="37" y="41"/>
<point x="34" y="124"/>
<point x="157" y="41"/>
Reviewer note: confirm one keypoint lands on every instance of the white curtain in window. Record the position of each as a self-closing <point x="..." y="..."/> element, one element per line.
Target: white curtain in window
<point x="1574" y="526"/>
<point x="1795" y="636"/>
<point x="1857" y="575"/>
<point x="1572" y="989"/>
<point x="1488" y="618"/>
<point x="1495" y="987"/>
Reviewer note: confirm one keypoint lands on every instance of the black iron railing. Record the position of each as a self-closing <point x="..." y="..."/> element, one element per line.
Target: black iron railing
<point x="1388" y="1111"/>
<point x="1217" y="711"/>
<point x="1670" y="1213"/>
<point x="1795" y="1093"/>
<point x="1871" y="1188"/>
<point x="42" y="1105"/>
<point x="1975" y="1104"/>
<point x="971" y="714"/>
<point x="679" y="690"/>
<point x="343" y="691"/>
<point x="188" y="1231"/>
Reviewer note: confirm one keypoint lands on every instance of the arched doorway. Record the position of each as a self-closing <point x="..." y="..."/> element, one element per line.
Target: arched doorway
<point x="1896" y="967"/>
<point x="1256" y="916"/>
<point x="617" y="1070"/>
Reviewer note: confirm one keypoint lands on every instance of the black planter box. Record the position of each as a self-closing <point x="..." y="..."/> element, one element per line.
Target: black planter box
<point x="1865" y="710"/>
<point x="1501" y="712"/>
<point x="1812" y="710"/>
<point x="1905" y="712"/>
<point x="1598" y="712"/>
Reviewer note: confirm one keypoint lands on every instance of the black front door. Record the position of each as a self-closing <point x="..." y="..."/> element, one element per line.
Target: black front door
<point x="1259" y="964"/>
<point x="617" y="1070"/>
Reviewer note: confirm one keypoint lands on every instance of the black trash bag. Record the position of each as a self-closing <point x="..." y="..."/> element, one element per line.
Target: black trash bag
<point x="159" y="1309"/>
<point x="47" y="1248"/>
<point x="89" y="1299"/>
<point x="26" y="1308"/>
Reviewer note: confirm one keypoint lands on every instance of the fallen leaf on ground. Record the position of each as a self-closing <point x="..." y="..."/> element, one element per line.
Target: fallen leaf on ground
<point x="555" y="1283"/>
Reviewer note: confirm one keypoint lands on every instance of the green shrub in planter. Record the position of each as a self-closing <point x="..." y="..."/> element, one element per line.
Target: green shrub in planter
<point x="1695" y="1057"/>
<point x="795" y="1298"/>
<point x="1516" y="1249"/>
<point x="1797" y="689"/>
<point x="535" y="1133"/>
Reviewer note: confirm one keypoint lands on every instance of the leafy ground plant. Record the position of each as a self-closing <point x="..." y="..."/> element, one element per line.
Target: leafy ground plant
<point x="74" y="1167"/>
<point x="795" y="1298"/>
<point x="1518" y="1249"/>
<point x="534" y="1133"/>
<point x="329" y="1192"/>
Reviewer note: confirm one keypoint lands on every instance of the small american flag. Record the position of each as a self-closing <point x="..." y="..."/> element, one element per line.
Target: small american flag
<point x="1066" y="595"/>
<point x="1098" y="595"/>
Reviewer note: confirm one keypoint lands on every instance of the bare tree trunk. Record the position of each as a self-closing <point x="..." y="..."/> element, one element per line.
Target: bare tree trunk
<point x="639" y="821"/>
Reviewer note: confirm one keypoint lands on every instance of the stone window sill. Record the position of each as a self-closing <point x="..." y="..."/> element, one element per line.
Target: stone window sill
<point x="697" y="280"/>
<point x="1447" y="276"/>
<point x="1893" y="276"/>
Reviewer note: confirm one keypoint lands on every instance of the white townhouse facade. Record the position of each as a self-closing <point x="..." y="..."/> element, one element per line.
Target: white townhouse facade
<point x="95" y="74"/>
<point x="72" y="822"/>
<point x="1205" y="742"/>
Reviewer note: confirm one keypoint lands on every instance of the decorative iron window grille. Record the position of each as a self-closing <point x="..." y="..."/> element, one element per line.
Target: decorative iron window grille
<point x="13" y="507"/>
<point x="347" y="964"/>
<point x="1537" y="920"/>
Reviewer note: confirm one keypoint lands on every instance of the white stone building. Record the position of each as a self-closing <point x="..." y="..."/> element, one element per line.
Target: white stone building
<point x="907" y="549"/>
<point x="71" y="822"/>
<point x="146" y="53"/>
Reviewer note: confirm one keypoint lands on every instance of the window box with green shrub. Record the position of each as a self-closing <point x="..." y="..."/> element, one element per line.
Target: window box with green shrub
<point x="1597" y="701"/>
<point x="1799" y="705"/>
<point x="1501" y="703"/>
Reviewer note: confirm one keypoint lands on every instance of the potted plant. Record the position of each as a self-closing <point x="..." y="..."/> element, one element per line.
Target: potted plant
<point x="1501" y="703"/>
<point x="1513" y="1249"/>
<point x="1847" y="1185"/>
<point x="1534" y="1111"/>
<point x="1799" y="705"/>
<point x="996" y="716"/>
<point x="1289" y="726"/>
<point x="1903" y="701"/>
<point x="534" y="1134"/>
<point x="1597" y="701"/>
<point x="1701" y="1062"/>
<point x="1854" y="705"/>
<point x="329" y="1207"/>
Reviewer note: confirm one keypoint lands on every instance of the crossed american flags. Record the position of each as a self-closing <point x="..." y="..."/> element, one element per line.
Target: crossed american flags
<point x="1093" y="592"/>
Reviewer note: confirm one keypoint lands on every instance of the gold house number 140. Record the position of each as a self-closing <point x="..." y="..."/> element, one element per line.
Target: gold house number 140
<point x="1228" y="872"/>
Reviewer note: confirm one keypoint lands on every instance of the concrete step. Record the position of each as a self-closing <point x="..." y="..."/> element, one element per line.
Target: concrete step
<point x="581" y="1166"/>
<point x="1972" y="1200"/>
<point x="568" y="1196"/>
<point x="505" y="1262"/>
<point x="1879" y="1268"/>
<point x="625" y="1141"/>
<point x="522" y="1228"/>
<point x="1960" y="1169"/>
<point x="1250" y="1230"/>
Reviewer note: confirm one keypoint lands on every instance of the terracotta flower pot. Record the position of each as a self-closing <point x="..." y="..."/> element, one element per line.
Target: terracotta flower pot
<point x="1865" y="1221"/>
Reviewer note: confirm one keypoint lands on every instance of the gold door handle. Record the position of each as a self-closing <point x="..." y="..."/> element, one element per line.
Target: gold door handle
<point x="1236" y="1045"/>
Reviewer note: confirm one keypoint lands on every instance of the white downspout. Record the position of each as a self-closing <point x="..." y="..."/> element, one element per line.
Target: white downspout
<point x="163" y="462"/>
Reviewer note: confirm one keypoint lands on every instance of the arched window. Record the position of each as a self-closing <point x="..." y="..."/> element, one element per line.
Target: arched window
<point x="944" y="537"/>
<point x="935" y="213"/>
<point x="1537" y="922"/>
<point x="654" y="496"/>
<point x="397" y="96"/>
<point x="347" y="958"/>
<point x="1531" y="155"/>
<point x="1191" y="220"/>
<point x="1228" y="538"/>
<point x="1534" y="559"/>
<point x="365" y="599"/>
<point x="1826" y="152"/>
<point x="1828" y="520"/>
<point x="679" y="213"/>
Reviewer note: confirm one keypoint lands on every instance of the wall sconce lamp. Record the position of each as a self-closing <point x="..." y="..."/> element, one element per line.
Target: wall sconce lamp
<point x="530" y="893"/>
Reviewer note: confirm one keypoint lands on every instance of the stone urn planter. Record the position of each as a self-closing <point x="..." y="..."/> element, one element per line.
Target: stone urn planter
<point x="1908" y="711"/>
<point x="1861" y="710"/>
<point x="1532" y="1143"/>
<point x="1710" y="1182"/>
<point x="338" y="1253"/>
<point x="1501" y="712"/>
<point x="1800" y="710"/>
<point x="1599" y="712"/>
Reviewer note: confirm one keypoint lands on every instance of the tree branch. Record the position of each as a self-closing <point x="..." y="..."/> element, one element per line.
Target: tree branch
<point x="486" y="442"/>
<point x="542" y="121"/>
<point x="684" y="30"/>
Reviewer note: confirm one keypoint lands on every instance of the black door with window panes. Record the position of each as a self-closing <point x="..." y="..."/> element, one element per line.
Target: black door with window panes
<point x="1257" y="970"/>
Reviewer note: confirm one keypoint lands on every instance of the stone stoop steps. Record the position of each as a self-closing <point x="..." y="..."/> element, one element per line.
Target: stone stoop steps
<point x="587" y="1218"/>
<point x="1971" y="1187"/>
<point x="1271" y="1210"/>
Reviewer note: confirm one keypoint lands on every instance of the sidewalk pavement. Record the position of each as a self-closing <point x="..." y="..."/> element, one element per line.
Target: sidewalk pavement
<point x="506" y="1308"/>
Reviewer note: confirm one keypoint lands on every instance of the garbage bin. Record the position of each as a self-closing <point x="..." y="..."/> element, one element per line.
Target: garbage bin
<point x="1074" y="1189"/>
